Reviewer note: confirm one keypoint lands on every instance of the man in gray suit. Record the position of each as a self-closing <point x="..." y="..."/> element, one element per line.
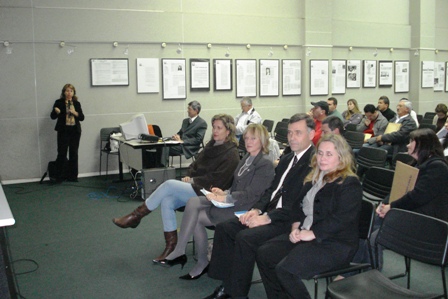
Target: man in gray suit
<point x="190" y="135"/>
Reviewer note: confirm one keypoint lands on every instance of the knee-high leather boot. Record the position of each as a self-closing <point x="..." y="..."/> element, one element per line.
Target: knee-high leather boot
<point x="133" y="219"/>
<point x="171" y="242"/>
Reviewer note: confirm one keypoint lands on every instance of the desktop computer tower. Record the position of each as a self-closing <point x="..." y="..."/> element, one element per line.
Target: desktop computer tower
<point x="154" y="177"/>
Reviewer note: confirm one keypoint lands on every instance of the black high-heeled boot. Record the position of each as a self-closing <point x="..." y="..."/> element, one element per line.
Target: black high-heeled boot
<point x="182" y="260"/>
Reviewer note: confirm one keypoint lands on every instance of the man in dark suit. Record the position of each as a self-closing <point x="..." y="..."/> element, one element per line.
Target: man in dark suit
<point x="237" y="240"/>
<point x="190" y="134"/>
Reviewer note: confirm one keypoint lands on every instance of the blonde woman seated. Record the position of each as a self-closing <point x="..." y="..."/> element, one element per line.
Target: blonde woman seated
<point x="252" y="177"/>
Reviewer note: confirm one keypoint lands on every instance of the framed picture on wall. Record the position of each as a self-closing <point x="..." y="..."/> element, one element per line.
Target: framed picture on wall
<point x="246" y="77"/>
<point x="369" y="77"/>
<point x="109" y="72"/>
<point x="338" y="76"/>
<point x="148" y="78"/>
<point x="401" y="75"/>
<point x="385" y="71"/>
<point x="269" y="77"/>
<point x="291" y="77"/>
<point x="353" y="73"/>
<point x="173" y="79"/>
<point x="427" y="74"/>
<point x="222" y="71"/>
<point x="199" y="74"/>
<point x="439" y="76"/>
<point x="318" y="77"/>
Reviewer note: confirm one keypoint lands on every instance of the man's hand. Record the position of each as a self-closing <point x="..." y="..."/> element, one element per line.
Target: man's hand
<point x="258" y="221"/>
<point x="248" y="215"/>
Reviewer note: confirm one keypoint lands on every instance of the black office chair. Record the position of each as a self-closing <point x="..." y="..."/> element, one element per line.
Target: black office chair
<point x="412" y="235"/>
<point x="402" y="157"/>
<point x="269" y="124"/>
<point x="429" y="126"/>
<point x="366" y="221"/>
<point x="368" y="157"/>
<point x="350" y="127"/>
<point x="419" y="118"/>
<point x="429" y="115"/>
<point x="427" y="121"/>
<point x="241" y="147"/>
<point x="285" y="120"/>
<point x="354" y="139"/>
<point x="104" y="147"/>
<point x="377" y="183"/>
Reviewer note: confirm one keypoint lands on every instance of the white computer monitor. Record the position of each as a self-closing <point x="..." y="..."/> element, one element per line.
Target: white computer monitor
<point x="133" y="128"/>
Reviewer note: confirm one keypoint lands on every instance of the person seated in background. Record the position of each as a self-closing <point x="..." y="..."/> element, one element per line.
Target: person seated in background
<point x="319" y="112"/>
<point x="246" y="117"/>
<point x="214" y="166"/>
<point x="237" y="239"/>
<point x="383" y="107"/>
<point x="324" y="224"/>
<point x="332" y="105"/>
<point x="412" y="113"/>
<point x="190" y="135"/>
<point x="352" y="115"/>
<point x="252" y="177"/>
<point x="441" y="116"/>
<point x="396" y="142"/>
<point x="333" y="124"/>
<point x="429" y="194"/>
<point x="373" y="123"/>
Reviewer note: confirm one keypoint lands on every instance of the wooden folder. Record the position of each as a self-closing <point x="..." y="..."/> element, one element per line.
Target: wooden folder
<point x="404" y="180"/>
<point x="392" y="127"/>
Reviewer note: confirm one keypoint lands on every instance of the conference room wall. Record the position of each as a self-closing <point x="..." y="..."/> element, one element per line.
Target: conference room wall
<point x="34" y="73"/>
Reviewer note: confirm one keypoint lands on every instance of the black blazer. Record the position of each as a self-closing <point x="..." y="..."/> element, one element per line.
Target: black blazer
<point x="192" y="135"/>
<point x="60" y="124"/>
<point x="292" y="185"/>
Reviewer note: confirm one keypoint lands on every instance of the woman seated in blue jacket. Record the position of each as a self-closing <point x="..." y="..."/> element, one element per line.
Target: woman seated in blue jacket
<point x="251" y="178"/>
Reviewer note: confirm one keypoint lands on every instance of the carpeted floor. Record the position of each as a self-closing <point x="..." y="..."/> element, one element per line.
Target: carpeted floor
<point x="64" y="245"/>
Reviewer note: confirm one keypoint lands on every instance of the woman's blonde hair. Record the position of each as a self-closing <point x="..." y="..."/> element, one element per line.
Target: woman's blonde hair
<point x="345" y="167"/>
<point x="66" y="86"/>
<point x="259" y="131"/>
<point x="355" y="110"/>
<point x="229" y="124"/>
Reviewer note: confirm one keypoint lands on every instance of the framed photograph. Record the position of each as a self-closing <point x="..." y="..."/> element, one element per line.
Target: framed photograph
<point x="353" y="73"/>
<point x="338" y="76"/>
<point x="199" y="74"/>
<point x="174" y="79"/>
<point x="385" y="70"/>
<point x="369" y="77"/>
<point x="401" y="76"/>
<point x="222" y="71"/>
<point x="439" y="76"/>
<point x="109" y="72"/>
<point x="291" y="77"/>
<point x="427" y="74"/>
<point x="318" y="77"/>
<point x="269" y="77"/>
<point x="148" y="79"/>
<point x="246" y="78"/>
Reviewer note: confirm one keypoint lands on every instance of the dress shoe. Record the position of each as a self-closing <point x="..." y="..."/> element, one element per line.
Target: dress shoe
<point x="218" y="294"/>
<point x="133" y="219"/>
<point x="182" y="260"/>
<point x="189" y="277"/>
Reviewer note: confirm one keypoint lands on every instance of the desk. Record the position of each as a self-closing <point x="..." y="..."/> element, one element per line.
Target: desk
<point x="132" y="152"/>
<point x="7" y="280"/>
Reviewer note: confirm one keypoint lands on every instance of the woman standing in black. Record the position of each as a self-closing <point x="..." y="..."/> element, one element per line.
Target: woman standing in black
<point x="68" y="112"/>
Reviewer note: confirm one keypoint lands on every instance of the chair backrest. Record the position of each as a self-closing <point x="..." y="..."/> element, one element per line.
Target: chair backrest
<point x="280" y="125"/>
<point x="377" y="183"/>
<point x="403" y="157"/>
<point x="155" y="130"/>
<point x="269" y="124"/>
<point x="416" y="236"/>
<point x="419" y="117"/>
<point x="281" y="136"/>
<point x="105" y="133"/>
<point x="429" y="115"/>
<point x="242" y="147"/>
<point x="350" y="127"/>
<point x="429" y="126"/>
<point x="366" y="219"/>
<point x="427" y="121"/>
<point x="354" y="139"/>
<point x="285" y="120"/>
<point x="371" y="156"/>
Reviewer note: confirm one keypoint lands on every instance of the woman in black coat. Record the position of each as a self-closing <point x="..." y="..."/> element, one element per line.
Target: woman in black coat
<point x="68" y="112"/>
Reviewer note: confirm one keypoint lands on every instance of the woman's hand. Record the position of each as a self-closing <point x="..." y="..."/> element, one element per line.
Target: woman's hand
<point x="218" y="191"/>
<point x="294" y="236"/>
<point x="307" y="235"/>
<point x="382" y="210"/>
<point x="57" y="110"/>
<point x="220" y="198"/>
<point x="186" y="179"/>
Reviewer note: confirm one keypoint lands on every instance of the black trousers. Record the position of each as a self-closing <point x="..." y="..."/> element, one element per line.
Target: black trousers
<point x="283" y="264"/>
<point x="68" y="141"/>
<point x="234" y="250"/>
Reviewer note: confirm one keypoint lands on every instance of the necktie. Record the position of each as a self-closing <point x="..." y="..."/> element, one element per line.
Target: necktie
<point x="273" y="203"/>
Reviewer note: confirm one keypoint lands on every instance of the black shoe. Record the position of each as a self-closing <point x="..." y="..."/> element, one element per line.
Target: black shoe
<point x="189" y="277"/>
<point x="218" y="294"/>
<point x="169" y="263"/>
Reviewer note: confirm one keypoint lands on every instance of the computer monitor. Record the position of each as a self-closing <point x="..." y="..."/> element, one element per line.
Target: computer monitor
<point x="133" y="128"/>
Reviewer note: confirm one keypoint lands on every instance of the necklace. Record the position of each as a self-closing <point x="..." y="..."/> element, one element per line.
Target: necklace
<point x="245" y="166"/>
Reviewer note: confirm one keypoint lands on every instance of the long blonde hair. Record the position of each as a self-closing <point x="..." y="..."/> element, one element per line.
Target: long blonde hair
<point x="355" y="110"/>
<point x="345" y="167"/>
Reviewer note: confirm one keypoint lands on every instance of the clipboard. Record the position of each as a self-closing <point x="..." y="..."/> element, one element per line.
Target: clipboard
<point x="404" y="180"/>
<point x="392" y="127"/>
<point x="367" y="136"/>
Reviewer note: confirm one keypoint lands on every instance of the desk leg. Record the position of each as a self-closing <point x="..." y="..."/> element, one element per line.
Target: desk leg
<point x="120" y="167"/>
